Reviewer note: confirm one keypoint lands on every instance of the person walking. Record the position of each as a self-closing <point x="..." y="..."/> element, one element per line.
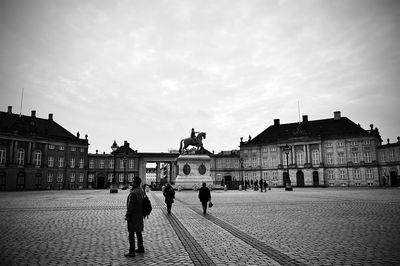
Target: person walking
<point x="204" y="196"/>
<point x="261" y="184"/>
<point x="265" y="185"/>
<point x="134" y="217"/>
<point x="169" y="194"/>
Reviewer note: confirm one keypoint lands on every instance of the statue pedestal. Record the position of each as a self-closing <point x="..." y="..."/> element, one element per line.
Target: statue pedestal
<point x="194" y="169"/>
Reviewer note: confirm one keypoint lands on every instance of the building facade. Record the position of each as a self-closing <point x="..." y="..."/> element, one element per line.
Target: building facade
<point x="328" y="152"/>
<point x="38" y="153"/>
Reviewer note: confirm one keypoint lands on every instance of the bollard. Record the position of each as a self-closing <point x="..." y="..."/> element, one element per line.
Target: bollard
<point x="225" y="187"/>
<point x="179" y="188"/>
<point x="147" y="188"/>
<point x="240" y="187"/>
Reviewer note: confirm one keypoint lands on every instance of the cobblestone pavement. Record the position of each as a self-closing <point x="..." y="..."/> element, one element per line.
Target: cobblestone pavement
<point x="302" y="227"/>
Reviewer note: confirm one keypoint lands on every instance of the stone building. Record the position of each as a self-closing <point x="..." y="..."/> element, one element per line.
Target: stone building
<point x="389" y="163"/>
<point x="37" y="153"/>
<point x="326" y="152"/>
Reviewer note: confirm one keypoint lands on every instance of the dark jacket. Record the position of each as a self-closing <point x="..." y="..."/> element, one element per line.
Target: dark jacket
<point x="134" y="213"/>
<point x="169" y="194"/>
<point x="204" y="194"/>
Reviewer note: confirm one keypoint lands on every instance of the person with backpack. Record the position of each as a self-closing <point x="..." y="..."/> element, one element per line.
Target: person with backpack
<point x="134" y="217"/>
<point x="169" y="195"/>
<point x="204" y="196"/>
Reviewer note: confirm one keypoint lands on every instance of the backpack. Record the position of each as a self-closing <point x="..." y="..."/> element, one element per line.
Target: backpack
<point x="146" y="207"/>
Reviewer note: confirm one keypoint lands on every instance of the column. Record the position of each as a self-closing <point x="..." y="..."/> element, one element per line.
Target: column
<point x="157" y="172"/>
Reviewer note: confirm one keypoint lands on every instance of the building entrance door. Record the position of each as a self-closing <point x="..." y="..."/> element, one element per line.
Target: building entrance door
<point x="393" y="179"/>
<point x="315" y="177"/>
<point x="300" y="178"/>
<point x="228" y="181"/>
<point x="100" y="182"/>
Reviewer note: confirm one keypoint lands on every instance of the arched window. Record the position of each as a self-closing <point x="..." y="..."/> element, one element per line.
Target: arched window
<point x="37" y="158"/>
<point x="20" y="157"/>
<point x="300" y="157"/>
<point x="315" y="157"/>
<point x="3" y="153"/>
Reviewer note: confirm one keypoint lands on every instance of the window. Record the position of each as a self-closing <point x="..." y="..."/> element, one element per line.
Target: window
<point x="369" y="174"/>
<point x="328" y="145"/>
<point x="51" y="147"/>
<point x="329" y="159"/>
<point x="273" y="149"/>
<point x="355" y="157"/>
<point x="61" y="162"/>
<point x="110" y="177"/>
<point x="300" y="158"/>
<point x="131" y="163"/>
<point x="342" y="174"/>
<point x="315" y="157"/>
<point x="50" y="177"/>
<point x="121" y="164"/>
<point x="20" y="156"/>
<point x="274" y="175"/>
<point x="354" y="143"/>
<point x="37" y="158"/>
<point x="73" y="148"/>
<point x="341" y="158"/>
<point x="60" y="177"/>
<point x="61" y="148"/>
<point x="91" y="164"/>
<point x="340" y="143"/>
<point x="3" y="153"/>
<point x="357" y="174"/>
<point x="383" y="156"/>
<point x="82" y="150"/>
<point x="265" y="162"/>
<point x="121" y="178"/>
<point x="391" y="154"/>
<point x="90" y="178"/>
<point x="80" y="178"/>
<point x="367" y="157"/>
<point x="101" y="163"/>
<point x="130" y="177"/>
<point x="111" y="164"/>
<point x="51" y="161"/>
<point x="228" y="163"/>
<point x="72" y="163"/>
<point x="265" y="175"/>
<point x="72" y="178"/>
<point x="367" y="142"/>
<point x="81" y="163"/>
<point x="254" y="162"/>
<point x="331" y="174"/>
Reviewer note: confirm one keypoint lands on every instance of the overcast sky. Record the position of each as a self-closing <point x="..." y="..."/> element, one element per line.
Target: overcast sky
<point x="148" y="71"/>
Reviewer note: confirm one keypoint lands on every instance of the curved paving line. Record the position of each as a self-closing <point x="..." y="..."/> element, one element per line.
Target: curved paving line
<point x="193" y="248"/>
<point x="255" y="243"/>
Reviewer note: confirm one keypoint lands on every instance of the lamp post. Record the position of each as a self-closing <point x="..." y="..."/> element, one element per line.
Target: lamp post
<point x="288" y="185"/>
<point x="113" y="186"/>
<point x="241" y="173"/>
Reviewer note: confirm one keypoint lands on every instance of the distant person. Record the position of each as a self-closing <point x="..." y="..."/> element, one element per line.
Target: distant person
<point x="134" y="217"/>
<point x="265" y="185"/>
<point x="261" y="184"/>
<point x="204" y="196"/>
<point x="169" y="194"/>
<point x="256" y="185"/>
<point x="384" y="181"/>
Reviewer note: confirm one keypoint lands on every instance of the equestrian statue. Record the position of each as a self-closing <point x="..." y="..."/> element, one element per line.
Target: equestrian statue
<point x="196" y="141"/>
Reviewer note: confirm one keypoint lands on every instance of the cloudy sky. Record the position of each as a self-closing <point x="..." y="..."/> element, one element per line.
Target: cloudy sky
<point x="149" y="71"/>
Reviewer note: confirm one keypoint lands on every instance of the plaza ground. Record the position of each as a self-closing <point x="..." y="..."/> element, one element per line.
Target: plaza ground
<point x="308" y="226"/>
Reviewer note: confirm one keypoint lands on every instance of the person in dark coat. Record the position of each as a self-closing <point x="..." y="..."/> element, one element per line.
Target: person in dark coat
<point x="265" y="185"/>
<point x="169" y="195"/>
<point x="134" y="217"/>
<point x="204" y="196"/>
<point x="261" y="184"/>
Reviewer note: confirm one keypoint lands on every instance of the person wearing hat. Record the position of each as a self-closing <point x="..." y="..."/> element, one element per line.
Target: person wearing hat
<point x="134" y="217"/>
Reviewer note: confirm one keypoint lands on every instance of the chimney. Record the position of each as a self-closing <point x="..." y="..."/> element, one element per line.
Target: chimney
<point x="305" y="118"/>
<point x="336" y="115"/>
<point x="33" y="113"/>
<point x="276" y="122"/>
<point x="51" y="117"/>
<point x="9" y="110"/>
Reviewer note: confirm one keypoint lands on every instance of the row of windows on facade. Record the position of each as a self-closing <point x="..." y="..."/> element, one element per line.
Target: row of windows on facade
<point x="129" y="163"/>
<point x="273" y="162"/>
<point x="339" y="144"/>
<point x="341" y="174"/>
<point x="62" y="148"/>
<point x="37" y="159"/>
<point x="72" y="177"/>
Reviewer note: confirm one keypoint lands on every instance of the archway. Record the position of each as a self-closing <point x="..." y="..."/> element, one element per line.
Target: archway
<point x="393" y="179"/>
<point x="300" y="178"/>
<point x="228" y="181"/>
<point x="100" y="182"/>
<point x="315" y="176"/>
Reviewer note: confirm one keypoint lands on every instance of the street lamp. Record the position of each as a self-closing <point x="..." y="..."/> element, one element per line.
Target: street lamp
<point x="288" y="185"/>
<point x="241" y="172"/>
<point x="113" y="186"/>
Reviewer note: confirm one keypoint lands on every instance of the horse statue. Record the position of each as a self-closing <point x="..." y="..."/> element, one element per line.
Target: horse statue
<point x="196" y="142"/>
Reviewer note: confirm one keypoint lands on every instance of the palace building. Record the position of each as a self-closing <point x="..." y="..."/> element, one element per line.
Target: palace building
<point x="37" y="153"/>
